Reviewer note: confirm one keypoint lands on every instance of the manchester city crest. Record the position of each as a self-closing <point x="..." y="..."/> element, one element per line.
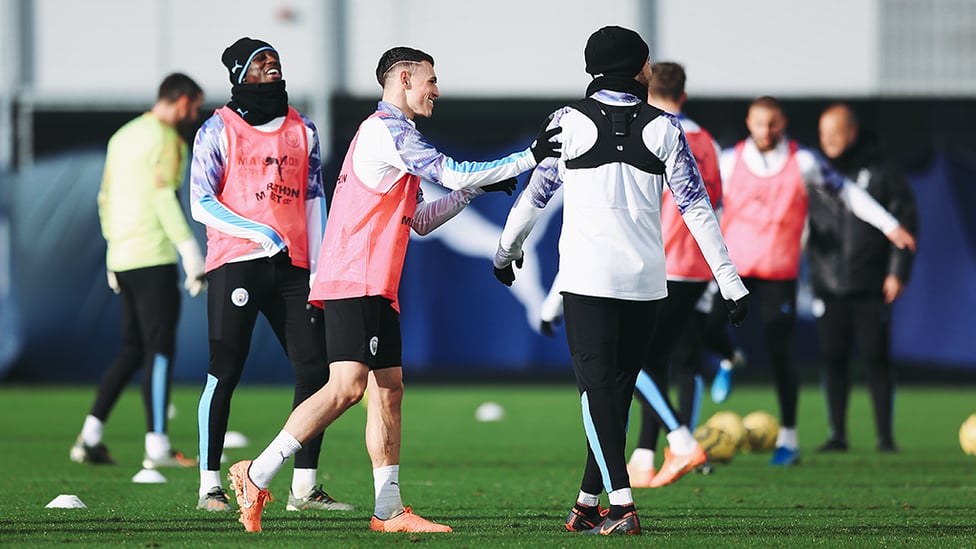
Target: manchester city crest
<point x="239" y="297"/>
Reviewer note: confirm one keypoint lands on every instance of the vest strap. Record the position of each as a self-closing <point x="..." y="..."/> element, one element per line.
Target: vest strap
<point x="615" y="142"/>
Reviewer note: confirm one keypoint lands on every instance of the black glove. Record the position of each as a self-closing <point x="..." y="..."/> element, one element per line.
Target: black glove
<point x="547" y="327"/>
<point x="507" y="186"/>
<point x="316" y="315"/>
<point x="506" y="276"/>
<point x="543" y="148"/>
<point x="737" y="309"/>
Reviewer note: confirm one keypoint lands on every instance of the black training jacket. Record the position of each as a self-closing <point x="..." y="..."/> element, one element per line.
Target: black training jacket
<point x="847" y="256"/>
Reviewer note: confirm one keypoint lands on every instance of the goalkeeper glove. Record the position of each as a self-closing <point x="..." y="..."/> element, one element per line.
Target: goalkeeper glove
<point x="193" y="266"/>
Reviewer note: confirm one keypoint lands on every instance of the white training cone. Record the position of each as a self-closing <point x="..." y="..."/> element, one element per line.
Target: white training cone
<point x="489" y="411"/>
<point x="149" y="476"/>
<point x="66" y="501"/>
<point x="234" y="439"/>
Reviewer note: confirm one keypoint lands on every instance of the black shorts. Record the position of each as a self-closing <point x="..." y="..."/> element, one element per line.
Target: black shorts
<point x="365" y="330"/>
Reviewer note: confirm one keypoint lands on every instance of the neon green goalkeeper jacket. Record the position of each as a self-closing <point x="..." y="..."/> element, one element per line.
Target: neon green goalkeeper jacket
<point x="140" y="214"/>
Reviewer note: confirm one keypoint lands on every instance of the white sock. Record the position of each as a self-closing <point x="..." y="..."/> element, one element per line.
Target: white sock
<point x="91" y="431"/>
<point x="787" y="437"/>
<point x="642" y="459"/>
<point x="681" y="441"/>
<point x="622" y="496"/>
<point x="267" y="465"/>
<point x="209" y="480"/>
<point x="589" y="500"/>
<point x="725" y="364"/>
<point x="157" y="445"/>
<point x="302" y="482"/>
<point x="386" y="484"/>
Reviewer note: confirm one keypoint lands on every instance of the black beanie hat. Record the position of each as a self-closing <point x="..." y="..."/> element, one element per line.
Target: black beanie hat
<point x="238" y="56"/>
<point x="615" y="50"/>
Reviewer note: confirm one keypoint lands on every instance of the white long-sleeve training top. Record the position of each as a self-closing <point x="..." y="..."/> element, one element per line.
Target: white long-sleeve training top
<point x="611" y="244"/>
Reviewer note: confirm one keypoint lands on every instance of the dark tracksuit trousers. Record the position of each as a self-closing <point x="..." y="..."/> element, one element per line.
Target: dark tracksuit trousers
<point x="673" y="338"/>
<point x="150" y="312"/>
<point x="236" y="293"/>
<point x="866" y="321"/>
<point x="777" y="308"/>
<point x="608" y="341"/>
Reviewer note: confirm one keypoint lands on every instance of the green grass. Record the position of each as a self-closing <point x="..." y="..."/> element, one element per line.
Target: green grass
<point x="504" y="484"/>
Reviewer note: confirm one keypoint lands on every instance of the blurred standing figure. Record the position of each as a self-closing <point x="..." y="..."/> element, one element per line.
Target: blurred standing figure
<point x="678" y="336"/>
<point x="145" y="228"/>
<point x="857" y="274"/>
<point x="256" y="183"/>
<point x="618" y="155"/>
<point x="765" y="193"/>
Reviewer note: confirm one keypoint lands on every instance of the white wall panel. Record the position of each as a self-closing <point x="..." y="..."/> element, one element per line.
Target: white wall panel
<point x="95" y="46"/>
<point x="123" y="48"/>
<point x="109" y="50"/>
<point x="506" y="48"/>
<point x="202" y="29"/>
<point x="777" y="47"/>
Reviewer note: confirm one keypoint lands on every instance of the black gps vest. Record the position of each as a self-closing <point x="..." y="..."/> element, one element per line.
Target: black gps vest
<point x="615" y="140"/>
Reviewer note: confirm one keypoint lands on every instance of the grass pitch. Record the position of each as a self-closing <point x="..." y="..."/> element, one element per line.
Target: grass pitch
<point x="501" y="484"/>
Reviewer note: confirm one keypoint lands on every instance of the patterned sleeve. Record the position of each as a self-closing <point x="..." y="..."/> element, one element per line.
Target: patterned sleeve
<point x="315" y="187"/>
<point x="315" y="207"/>
<point x="543" y="183"/>
<point x="421" y="158"/>
<point x="431" y="215"/>
<point x="817" y="171"/>
<point x="681" y="170"/>
<point x="546" y="179"/>
<point x="207" y="166"/>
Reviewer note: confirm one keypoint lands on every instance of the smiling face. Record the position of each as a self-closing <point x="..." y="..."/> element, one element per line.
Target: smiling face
<point x="264" y="68"/>
<point x="420" y="88"/>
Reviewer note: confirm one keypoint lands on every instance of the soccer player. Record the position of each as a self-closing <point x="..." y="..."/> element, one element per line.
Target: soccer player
<point x="688" y="277"/>
<point x="377" y="202"/>
<point x="256" y="183"/>
<point x="145" y="228"/>
<point x="765" y="197"/>
<point x="618" y="153"/>
<point x="857" y="274"/>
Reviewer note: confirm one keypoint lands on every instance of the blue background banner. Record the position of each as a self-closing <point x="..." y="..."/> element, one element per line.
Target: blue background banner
<point x="60" y="322"/>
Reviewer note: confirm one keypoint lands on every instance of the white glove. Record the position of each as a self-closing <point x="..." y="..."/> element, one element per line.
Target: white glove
<point x="193" y="266"/>
<point x="113" y="282"/>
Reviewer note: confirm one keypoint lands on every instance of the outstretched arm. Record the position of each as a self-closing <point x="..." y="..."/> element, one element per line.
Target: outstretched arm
<point x="817" y="171"/>
<point x="401" y="148"/>
<point x="521" y="219"/>
<point x="431" y="215"/>
<point x="684" y="179"/>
